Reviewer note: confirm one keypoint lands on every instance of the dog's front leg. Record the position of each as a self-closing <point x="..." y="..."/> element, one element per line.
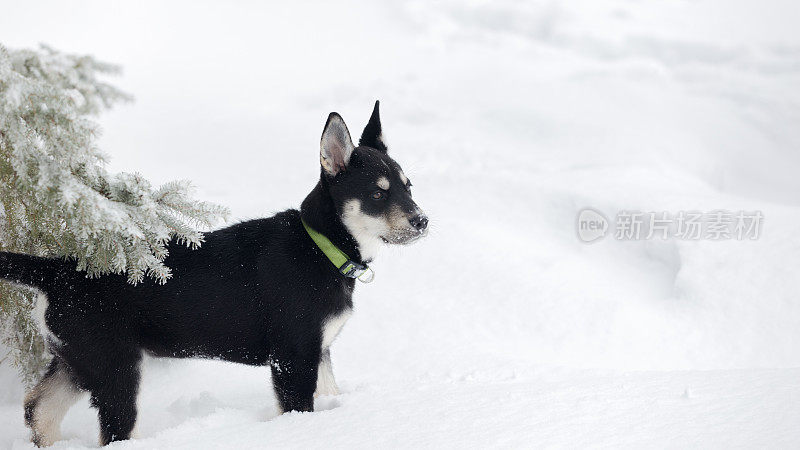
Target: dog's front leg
<point x="326" y="383"/>
<point x="294" y="380"/>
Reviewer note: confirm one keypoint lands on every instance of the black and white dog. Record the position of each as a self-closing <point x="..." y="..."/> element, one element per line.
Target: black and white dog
<point x="272" y="291"/>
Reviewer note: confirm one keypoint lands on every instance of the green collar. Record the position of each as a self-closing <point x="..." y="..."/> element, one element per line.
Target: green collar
<point x="346" y="266"/>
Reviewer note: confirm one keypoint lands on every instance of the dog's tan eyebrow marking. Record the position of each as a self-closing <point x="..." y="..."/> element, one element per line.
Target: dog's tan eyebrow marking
<point x="383" y="183"/>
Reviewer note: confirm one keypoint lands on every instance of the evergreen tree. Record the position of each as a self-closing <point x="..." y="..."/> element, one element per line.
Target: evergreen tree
<point x="57" y="199"/>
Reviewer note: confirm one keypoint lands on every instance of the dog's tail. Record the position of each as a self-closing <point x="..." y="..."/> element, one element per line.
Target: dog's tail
<point x="29" y="270"/>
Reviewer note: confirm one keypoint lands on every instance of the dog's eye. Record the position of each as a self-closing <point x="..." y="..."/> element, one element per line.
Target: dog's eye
<point x="377" y="195"/>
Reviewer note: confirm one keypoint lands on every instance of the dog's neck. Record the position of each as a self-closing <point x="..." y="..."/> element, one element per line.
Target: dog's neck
<point x="320" y="213"/>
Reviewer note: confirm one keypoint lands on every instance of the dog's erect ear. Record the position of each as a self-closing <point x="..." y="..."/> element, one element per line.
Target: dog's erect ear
<point x="373" y="135"/>
<point x="335" y="147"/>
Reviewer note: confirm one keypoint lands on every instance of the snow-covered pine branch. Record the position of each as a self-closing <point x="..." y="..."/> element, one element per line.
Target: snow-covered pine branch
<point x="56" y="197"/>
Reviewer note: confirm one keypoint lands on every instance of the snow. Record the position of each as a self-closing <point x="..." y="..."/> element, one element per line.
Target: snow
<point x="231" y="407"/>
<point x="501" y="328"/>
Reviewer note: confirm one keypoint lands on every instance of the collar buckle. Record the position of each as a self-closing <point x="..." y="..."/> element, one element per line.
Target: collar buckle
<point x="352" y="269"/>
<point x="361" y="272"/>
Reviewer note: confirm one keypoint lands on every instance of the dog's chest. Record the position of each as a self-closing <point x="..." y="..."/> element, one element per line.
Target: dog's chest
<point x="333" y="325"/>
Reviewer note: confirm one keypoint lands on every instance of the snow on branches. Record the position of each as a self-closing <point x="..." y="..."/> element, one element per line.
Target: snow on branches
<point x="57" y="198"/>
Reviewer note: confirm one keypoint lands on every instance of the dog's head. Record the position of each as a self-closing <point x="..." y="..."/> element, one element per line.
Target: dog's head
<point x="371" y="192"/>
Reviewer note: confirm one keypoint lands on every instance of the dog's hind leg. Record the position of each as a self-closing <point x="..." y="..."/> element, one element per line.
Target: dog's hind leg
<point x="48" y="402"/>
<point x="326" y="383"/>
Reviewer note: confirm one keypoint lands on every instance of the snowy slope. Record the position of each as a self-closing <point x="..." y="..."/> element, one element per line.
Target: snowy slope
<point x="501" y="328"/>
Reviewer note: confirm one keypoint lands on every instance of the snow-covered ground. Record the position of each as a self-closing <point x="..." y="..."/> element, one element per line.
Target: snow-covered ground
<point x="502" y="328"/>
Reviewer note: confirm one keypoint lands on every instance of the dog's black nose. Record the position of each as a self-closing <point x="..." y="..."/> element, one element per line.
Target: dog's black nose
<point x="419" y="222"/>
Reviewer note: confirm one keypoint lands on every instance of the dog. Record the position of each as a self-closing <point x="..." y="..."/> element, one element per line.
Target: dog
<point x="267" y="292"/>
